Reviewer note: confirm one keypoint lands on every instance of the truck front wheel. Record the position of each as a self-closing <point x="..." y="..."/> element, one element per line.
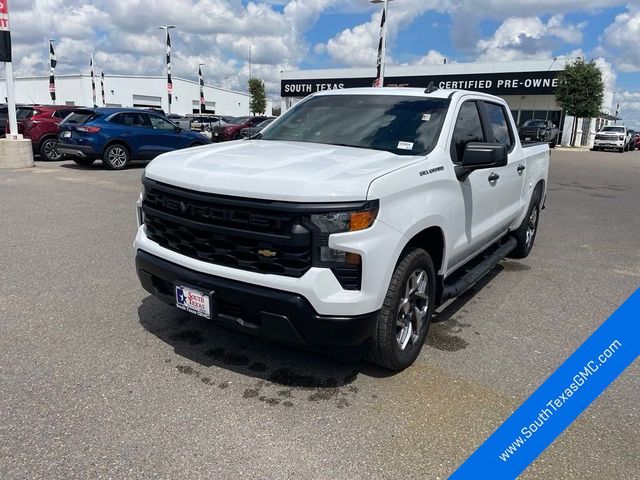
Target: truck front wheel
<point x="405" y="317"/>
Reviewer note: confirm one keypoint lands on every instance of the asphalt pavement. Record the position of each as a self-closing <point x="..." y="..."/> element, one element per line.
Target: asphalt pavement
<point x="100" y="380"/>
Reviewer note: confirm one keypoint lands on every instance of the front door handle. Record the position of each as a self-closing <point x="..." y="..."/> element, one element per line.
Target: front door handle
<point x="494" y="177"/>
<point x="521" y="168"/>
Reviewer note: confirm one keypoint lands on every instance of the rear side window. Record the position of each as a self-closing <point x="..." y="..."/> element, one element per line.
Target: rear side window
<point x="468" y="129"/>
<point x="498" y="125"/>
<point x="24" y="113"/>
<point x="131" y="119"/>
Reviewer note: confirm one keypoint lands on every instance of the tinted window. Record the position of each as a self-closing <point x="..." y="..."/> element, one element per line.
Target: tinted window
<point x="613" y="129"/>
<point x="131" y="119"/>
<point x="239" y="120"/>
<point x="23" y="113"/>
<point x="62" y="113"/>
<point x="498" y="124"/>
<point x="535" y="124"/>
<point x="80" y="117"/>
<point x="468" y="129"/>
<point x="160" y="123"/>
<point x="404" y="125"/>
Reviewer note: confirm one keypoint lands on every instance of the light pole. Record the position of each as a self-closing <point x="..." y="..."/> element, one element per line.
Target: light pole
<point x="169" y="81"/>
<point x="382" y="46"/>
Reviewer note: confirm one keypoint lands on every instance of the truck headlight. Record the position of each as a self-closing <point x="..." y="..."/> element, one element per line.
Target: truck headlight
<point x="621" y="137"/>
<point x="346" y="266"/>
<point x="342" y="222"/>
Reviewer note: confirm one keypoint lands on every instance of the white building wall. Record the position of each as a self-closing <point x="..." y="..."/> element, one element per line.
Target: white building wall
<point x="125" y="91"/>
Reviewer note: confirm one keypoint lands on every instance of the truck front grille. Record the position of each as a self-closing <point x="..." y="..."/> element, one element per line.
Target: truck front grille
<point x="254" y="235"/>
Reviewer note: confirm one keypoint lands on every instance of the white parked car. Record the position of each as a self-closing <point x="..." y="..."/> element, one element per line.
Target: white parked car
<point x="347" y="222"/>
<point x="616" y="137"/>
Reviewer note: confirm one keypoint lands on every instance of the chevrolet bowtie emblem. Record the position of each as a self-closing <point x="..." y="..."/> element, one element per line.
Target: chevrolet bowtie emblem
<point x="267" y="253"/>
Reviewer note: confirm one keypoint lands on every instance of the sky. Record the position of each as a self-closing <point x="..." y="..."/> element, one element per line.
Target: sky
<point x="309" y="34"/>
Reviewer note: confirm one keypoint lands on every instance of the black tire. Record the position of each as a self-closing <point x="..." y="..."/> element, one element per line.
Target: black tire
<point x="196" y="144"/>
<point x="116" y="157"/>
<point x="238" y="136"/>
<point x="85" y="162"/>
<point x="526" y="233"/>
<point x="384" y="347"/>
<point x="49" y="150"/>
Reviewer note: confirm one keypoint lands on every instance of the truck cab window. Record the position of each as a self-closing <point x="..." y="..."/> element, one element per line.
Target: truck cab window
<point x="468" y="129"/>
<point x="499" y="126"/>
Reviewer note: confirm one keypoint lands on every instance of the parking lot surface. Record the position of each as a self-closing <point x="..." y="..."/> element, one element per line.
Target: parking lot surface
<point x="100" y="380"/>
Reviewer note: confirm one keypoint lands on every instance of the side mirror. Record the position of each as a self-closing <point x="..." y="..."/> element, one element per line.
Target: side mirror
<point x="479" y="156"/>
<point x="178" y="129"/>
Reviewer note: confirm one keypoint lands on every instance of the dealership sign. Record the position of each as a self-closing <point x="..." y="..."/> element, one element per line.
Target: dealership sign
<point x="511" y="83"/>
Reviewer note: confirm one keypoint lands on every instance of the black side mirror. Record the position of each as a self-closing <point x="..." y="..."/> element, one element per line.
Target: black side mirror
<point x="481" y="156"/>
<point x="178" y="129"/>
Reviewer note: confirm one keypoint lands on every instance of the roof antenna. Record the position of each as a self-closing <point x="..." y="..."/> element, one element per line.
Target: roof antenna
<point x="431" y="88"/>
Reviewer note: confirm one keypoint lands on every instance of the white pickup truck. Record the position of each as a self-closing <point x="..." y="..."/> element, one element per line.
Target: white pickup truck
<point x="616" y="137"/>
<point x="346" y="221"/>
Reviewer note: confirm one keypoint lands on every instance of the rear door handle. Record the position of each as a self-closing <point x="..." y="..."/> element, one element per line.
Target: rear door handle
<point x="521" y="168"/>
<point x="494" y="177"/>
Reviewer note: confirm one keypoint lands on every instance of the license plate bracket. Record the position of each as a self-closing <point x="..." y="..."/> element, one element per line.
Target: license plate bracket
<point x="195" y="300"/>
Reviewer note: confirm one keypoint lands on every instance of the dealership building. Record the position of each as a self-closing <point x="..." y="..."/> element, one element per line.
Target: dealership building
<point x="527" y="86"/>
<point x="131" y="91"/>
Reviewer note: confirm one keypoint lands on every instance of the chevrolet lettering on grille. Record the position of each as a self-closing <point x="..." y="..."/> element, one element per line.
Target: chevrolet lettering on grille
<point x="202" y="212"/>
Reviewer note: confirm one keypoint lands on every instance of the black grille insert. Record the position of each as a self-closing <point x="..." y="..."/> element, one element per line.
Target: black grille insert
<point x="245" y="234"/>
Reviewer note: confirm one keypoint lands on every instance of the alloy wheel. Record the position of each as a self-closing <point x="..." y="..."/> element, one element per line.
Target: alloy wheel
<point x="532" y="226"/>
<point x="413" y="309"/>
<point x="118" y="157"/>
<point x="51" y="150"/>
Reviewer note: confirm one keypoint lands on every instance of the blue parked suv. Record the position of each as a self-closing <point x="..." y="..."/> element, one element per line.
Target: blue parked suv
<point x="119" y="135"/>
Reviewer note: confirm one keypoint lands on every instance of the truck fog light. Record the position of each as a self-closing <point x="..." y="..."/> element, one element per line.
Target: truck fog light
<point x="329" y="255"/>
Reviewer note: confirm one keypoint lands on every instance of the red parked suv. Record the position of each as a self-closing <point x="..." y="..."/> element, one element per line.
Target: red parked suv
<point x="39" y="123"/>
<point x="231" y="131"/>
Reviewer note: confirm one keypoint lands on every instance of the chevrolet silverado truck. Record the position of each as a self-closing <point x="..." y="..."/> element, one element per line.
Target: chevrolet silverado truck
<point x="346" y="221"/>
<point x="613" y="137"/>
<point x="539" y="131"/>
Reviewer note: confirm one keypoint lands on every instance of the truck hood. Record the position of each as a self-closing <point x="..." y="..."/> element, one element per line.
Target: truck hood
<point x="275" y="170"/>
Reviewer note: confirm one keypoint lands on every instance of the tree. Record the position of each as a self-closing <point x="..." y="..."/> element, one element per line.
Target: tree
<point x="258" y="96"/>
<point x="580" y="91"/>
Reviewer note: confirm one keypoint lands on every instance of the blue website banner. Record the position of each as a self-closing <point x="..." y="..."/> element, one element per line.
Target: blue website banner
<point x="560" y="399"/>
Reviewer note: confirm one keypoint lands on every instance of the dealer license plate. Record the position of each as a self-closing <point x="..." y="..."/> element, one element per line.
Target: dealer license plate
<point x="193" y="300"/>
<point x="66" y="134"/>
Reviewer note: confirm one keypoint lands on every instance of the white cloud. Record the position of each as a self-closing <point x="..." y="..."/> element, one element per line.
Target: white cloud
<point x="621" y="38"/>
<point x="123" y="36"/>
<point x="520" y="38"/>
<point x="630" y="108"/>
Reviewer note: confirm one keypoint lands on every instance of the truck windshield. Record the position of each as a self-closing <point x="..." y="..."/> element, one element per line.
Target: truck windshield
<point x="535" y="124"/>
<point x="399" y="124"/>
<point x="613" y="129"/>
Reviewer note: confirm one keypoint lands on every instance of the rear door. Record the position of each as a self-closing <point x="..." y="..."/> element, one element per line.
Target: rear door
<point x="473" y="223"/>
<point x="511" y="177"/>
<point x="165" y="135"/>
<point x="135" y="130"/>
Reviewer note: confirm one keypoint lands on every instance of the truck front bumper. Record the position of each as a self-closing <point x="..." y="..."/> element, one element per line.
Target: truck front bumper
<point x="608" y="144"/>
<point x="277" y="315"/>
